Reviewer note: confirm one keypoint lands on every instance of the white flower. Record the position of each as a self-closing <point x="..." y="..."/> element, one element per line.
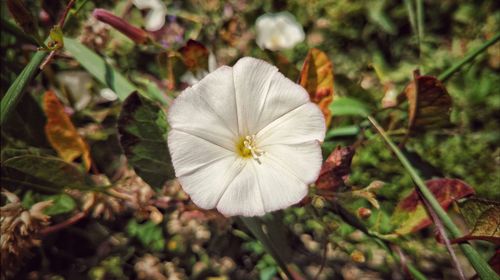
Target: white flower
<point x="155" y="19"/>
<point x="245" y="139"/>
<point x="278" y="31"/>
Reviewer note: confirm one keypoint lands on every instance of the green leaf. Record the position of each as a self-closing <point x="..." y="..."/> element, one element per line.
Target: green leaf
<point x="98" y="68"/>
<point x="16" y="90"/>
<point x="26" y="123"/>
<point x="268" y="273"/>
<point x="61" y="203"/>
<point x="10" y="152"/>
<point x="346" y="106"/>
<point x="148" y="233"/>
<point x="351" y="130"/>
<point x="142" y="126"/>
<point x="49" y="174"/>
<point x="275" y="230"/>
<point x="152" y="91"/>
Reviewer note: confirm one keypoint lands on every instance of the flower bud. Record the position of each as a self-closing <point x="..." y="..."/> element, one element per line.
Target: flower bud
<point x="364" y="213"/>
<point x="318" y="202"/>
<point x="136" y="34"/>
<point x="358" y="256"/>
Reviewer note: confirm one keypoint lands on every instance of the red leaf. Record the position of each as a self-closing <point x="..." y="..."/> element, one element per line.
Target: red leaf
<point x="445" y="190"/>
<point x="410" y="215"/>
<point x="336" y="169"/>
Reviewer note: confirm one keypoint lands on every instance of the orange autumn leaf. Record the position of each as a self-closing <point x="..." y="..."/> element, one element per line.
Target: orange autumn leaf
<point x="195" y="55"/>
<point x="61" y="132"/>
<point x="317" y="78"/>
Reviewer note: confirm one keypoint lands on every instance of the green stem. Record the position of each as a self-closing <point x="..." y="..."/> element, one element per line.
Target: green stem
<point x="420" y="30"/>
<point x="11" y="28"/>
<point x="469" y="57"/>
<point x="254" y="224"/>
<point x="482" y="268"/>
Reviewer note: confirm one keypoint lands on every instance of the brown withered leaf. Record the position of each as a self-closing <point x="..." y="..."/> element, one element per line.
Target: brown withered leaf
<point x="22" y="16"/>
<point x="483" y="216"/>
<point x="195" y="55"/>
<point x="231" y="31"/>
<point x="317" y="78"/>
<point x="410" y="214"/>
<point x="429" y="103"/>
<point x="336" y="169"/>
<point x="61" y="132"/>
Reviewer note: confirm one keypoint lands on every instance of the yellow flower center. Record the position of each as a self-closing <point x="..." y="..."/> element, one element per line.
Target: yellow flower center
<point x="246" y="147"/>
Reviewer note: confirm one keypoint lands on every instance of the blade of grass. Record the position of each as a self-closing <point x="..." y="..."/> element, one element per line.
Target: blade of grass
<point x="469" y="57"/>
<point x="442" y="232"/>
<point x="420" y="22"/>
<point x="98" y="68"/>
<point x="411" y="16"/>
<point x="480" y="265"/>
<point x="16" y="90"/>
<point x="11" y="28"/>
<point x="255" y="226"/>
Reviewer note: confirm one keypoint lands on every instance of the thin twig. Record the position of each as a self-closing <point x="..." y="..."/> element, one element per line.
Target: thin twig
<point x="402" y="260"/>
<point x="442" y="232"/>
<point x="71" y="221"/>
<point x="65" y="14"/>
<point x="47" y="59"/>
<point x="323" y="261"/>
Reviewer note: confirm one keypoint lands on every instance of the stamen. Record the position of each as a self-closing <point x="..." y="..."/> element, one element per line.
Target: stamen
<point x="250" y="144"/>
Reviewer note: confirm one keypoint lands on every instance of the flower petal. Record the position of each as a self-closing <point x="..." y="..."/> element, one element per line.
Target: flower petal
<point x="155" y="20"/>
<point x="208" y="109"/>
<point x="190" y="153"/>
<point x="279" y="188"/>
<point x="283" y="97"/>
<point x="242" y="196"/>
<point x="252" y="79"/>
<point x="302" y="160"/>
<point x="278" y="31"/>
<point x="303" y="124"/>
<point x="207" y="185"/>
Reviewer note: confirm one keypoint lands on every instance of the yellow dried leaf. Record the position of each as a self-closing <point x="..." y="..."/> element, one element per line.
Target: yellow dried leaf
<point x="61" y="132"/>
<point x="317" y="78"/>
